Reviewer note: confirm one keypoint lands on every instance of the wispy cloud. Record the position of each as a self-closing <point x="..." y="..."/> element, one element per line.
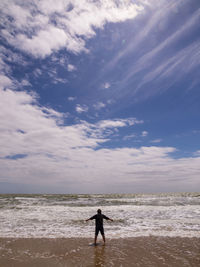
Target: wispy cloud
<point x="71" y="67"/>
<point x="188" y="57"/>
<point x="99" y="105"/>
<point x="167" y="66"/>
<point x="71" y="98"/>
<point x="53" y="74"/>
<point x="37" y="72"/>
<point x="156" y="141"/>
<point x="164" y="51"/>
<point x="118" y="123"/>
<point x="144" y="133"/>
<point x="128" y="137"/>
<point x="81" y="108"/>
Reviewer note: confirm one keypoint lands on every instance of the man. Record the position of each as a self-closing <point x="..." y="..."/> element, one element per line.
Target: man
<point x="99" y="225"/>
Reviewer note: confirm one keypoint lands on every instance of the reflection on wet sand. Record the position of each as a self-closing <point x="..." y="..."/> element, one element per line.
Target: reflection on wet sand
<point x="99" y="256"/>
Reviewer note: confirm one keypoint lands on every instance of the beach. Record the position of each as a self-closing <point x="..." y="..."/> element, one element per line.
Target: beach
<point x="70" y="252"/>
<point x="148" y="230"/>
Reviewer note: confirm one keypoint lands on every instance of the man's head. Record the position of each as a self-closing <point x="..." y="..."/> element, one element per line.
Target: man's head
<point x="99" y="211"/>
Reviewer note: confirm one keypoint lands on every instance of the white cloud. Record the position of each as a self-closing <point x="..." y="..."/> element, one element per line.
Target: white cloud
<point x="53" y="74"/>
<point x="5" y="81"/>
<point x="156" y="141"/>
<point x="59" y="80"/>
<point x="106" y="85"/>
<point x="99" y="105"/>
<point x="44" y="43"/>
<point x="104" y="129"/>
<point x="41" y="27"/>
<point x="25" y="82"/>
<point x="71" y="98"/>
<point x="118" y="123"/>
<point x="144" y="133"/>
<point x="37" y="72"/>
<point x="81" y="108"/>
<point x="8" y="58"/>
<point x="71" y="67"/>
<point x="16" y="12"/>
<point x="110" y="101"/>
<point x="128" y="137"/>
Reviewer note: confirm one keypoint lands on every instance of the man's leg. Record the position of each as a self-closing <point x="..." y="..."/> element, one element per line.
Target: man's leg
<point x="103" y="235"/>
<point x="104" y="239"/>
<point x="95" y="239"/>
<point x="96" y="234"/>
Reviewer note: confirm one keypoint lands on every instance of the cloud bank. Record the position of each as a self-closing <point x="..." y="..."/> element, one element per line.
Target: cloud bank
<point x="37" y="149"/>
<point x="42" y="27"/>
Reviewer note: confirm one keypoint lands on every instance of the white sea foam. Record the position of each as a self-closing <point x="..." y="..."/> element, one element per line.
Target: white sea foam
<point x="134" y="215"/>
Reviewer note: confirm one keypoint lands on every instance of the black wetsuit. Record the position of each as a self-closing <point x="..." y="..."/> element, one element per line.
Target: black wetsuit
<point x="99" y="222"/>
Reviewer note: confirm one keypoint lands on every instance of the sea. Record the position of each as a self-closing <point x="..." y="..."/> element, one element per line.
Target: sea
<point x="63" y="216"/>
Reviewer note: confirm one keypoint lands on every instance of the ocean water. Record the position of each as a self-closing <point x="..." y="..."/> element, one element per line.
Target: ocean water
<point x="134" y="215"/>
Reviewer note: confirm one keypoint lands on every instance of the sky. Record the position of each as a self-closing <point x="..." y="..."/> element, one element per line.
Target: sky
<point x="99" y="96"/>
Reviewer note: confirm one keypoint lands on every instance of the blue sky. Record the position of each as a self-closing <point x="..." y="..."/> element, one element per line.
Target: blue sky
<point x="99" y="96"/>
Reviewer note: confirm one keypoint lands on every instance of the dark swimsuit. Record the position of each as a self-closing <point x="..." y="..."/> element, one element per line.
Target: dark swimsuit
<point x="99" y="223"/>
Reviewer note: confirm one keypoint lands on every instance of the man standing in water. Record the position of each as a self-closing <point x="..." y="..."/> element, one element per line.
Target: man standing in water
<point x="99" y="225"/>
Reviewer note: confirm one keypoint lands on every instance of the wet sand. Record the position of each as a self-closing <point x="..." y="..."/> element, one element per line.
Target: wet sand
<point x="69" y="252"/>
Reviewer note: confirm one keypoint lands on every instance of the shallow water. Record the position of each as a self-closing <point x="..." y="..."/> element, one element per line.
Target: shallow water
<point x="133" y="214"/>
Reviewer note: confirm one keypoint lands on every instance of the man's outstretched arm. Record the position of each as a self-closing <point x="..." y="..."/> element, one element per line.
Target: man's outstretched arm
<point x="108" y="219"/>
<point x="92" y="218"/>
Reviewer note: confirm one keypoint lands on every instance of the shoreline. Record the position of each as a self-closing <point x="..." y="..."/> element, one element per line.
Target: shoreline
<point x="133" y="251"/>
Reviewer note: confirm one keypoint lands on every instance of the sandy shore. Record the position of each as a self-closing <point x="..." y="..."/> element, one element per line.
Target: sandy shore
<point x="139" y="251"/>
